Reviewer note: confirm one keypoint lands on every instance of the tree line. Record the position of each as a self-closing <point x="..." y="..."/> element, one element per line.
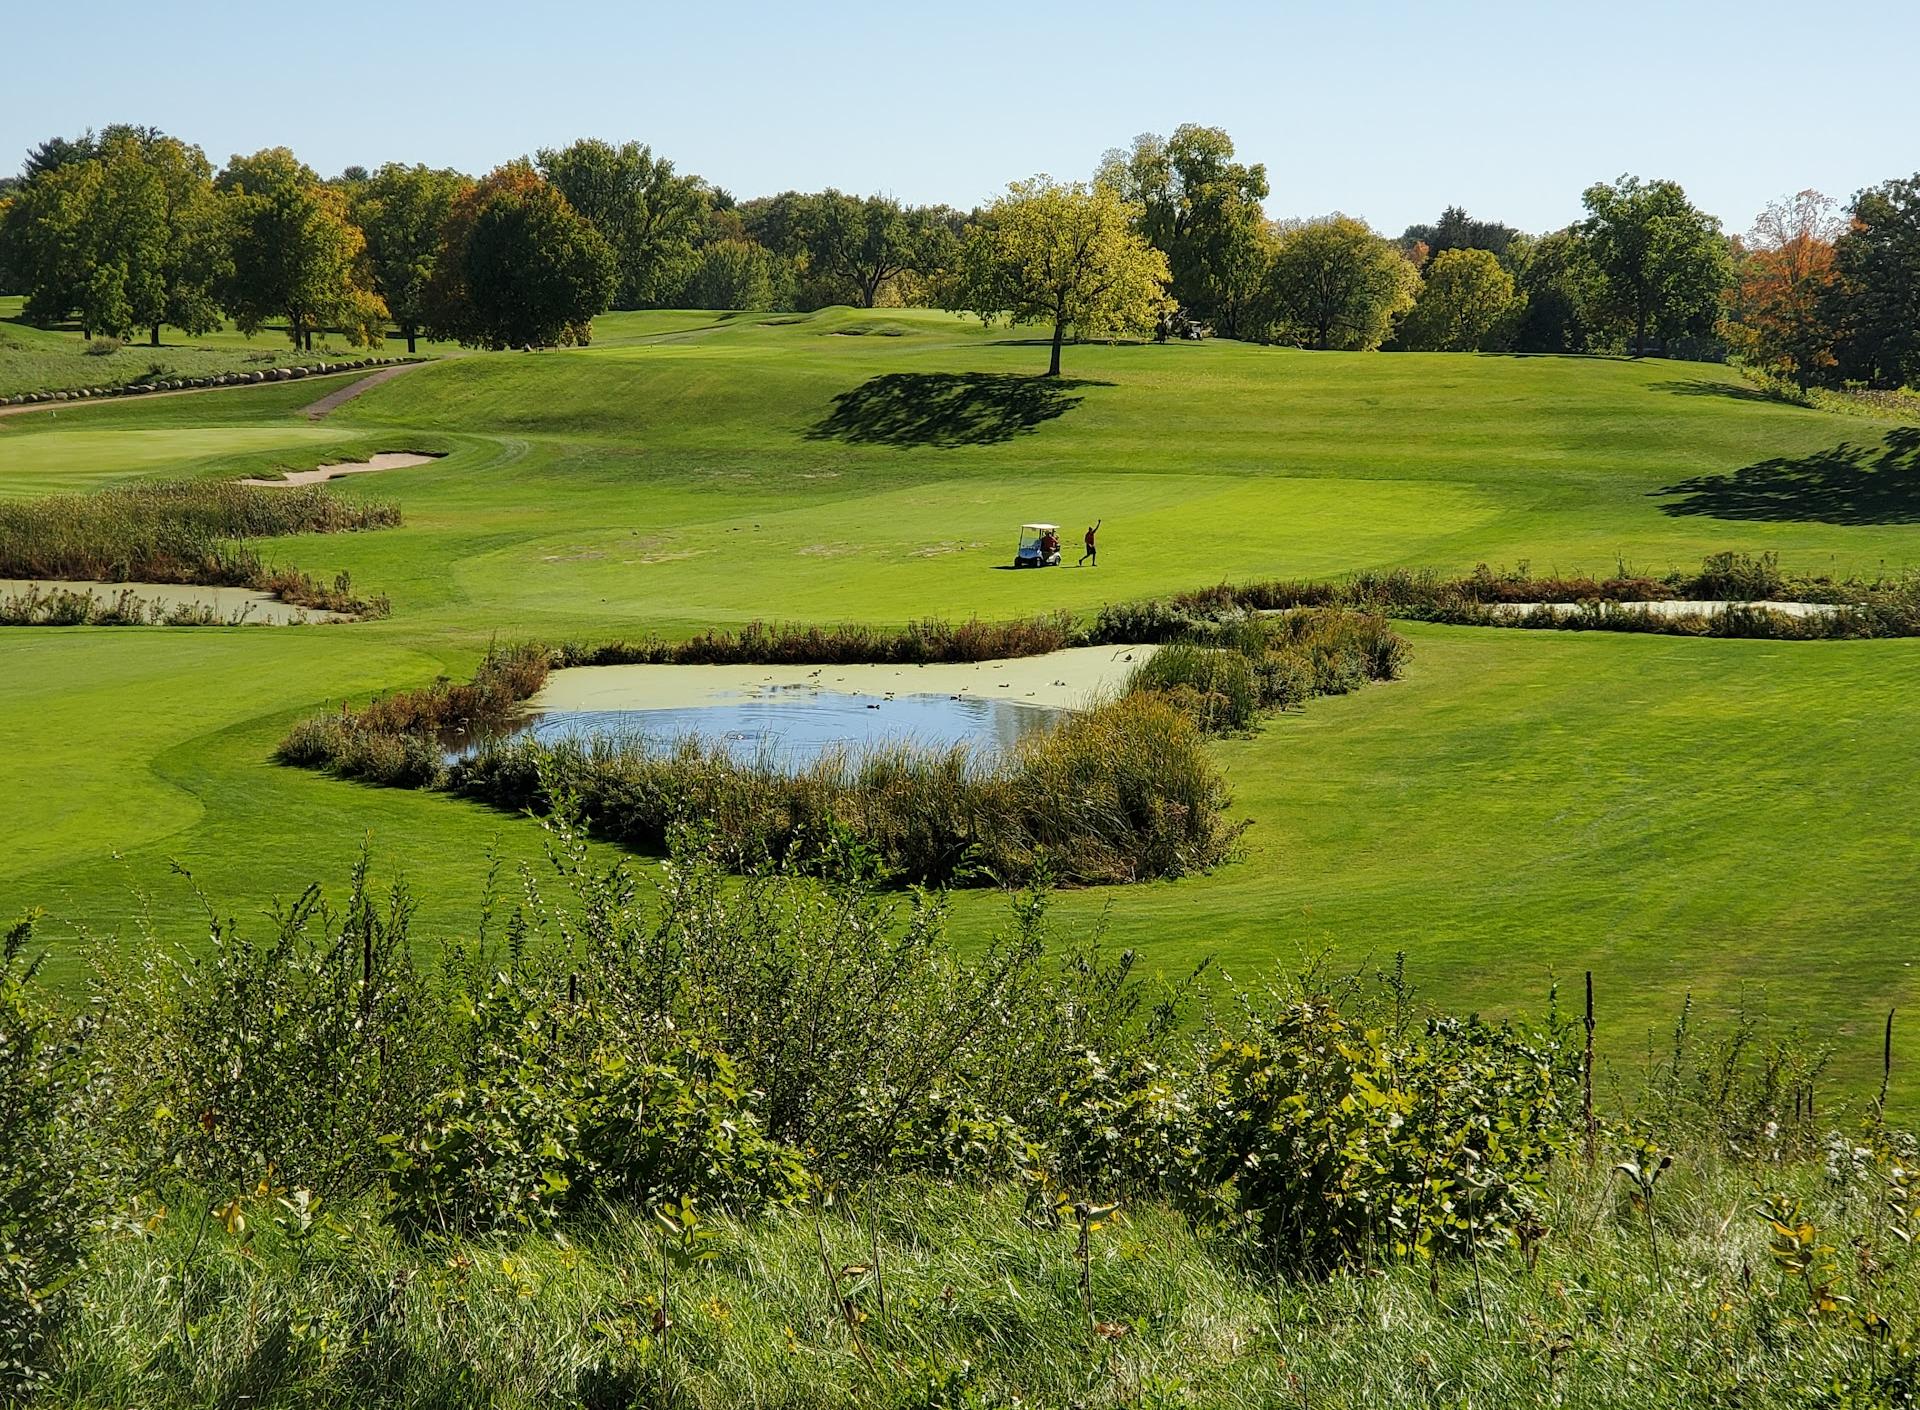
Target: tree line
<point x="130" y="229"/>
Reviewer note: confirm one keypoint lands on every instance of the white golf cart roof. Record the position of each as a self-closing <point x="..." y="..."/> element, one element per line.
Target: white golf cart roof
<point x="1039" y="528"/>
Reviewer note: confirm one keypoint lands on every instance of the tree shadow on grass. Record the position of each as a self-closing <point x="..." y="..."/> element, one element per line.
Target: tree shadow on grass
<point x="946" y="408"/>
<point x="1848" y="484"/>
<point x="1731" y="391"/>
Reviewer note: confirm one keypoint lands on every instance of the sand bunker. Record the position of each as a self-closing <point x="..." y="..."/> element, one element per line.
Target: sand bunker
<point x="228" y="603"/>
<point x="385" y="460"/>
<point x="1703" y="608"/>
<point x="1060" y="680"/>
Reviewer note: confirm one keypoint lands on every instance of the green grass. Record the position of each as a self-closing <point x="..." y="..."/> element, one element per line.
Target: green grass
<point x="987" y="1306"/>
<point x="56" y="359"/>
<point x="1726" y="817"/>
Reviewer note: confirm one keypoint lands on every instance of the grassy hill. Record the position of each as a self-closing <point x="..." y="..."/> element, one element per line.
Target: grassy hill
<point x="59" y="359"/>
<point x="1734" y="818"/>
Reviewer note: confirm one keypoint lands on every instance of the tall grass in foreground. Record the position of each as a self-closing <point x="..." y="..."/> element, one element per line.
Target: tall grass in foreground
<point x="192" y="531"/>
<point x="774" y="1141"/>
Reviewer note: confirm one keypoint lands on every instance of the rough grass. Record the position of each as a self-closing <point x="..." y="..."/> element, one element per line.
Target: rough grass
<point x="983" y="1309"/>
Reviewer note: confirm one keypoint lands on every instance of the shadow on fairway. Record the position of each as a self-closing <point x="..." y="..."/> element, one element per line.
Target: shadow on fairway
<point x="1848" y="484"/>
<point x="1731" y="391"/>
<point x="946" y="408"/>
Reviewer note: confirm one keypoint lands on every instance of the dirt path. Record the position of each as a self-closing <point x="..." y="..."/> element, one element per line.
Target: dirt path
<point x="334" y="400"/>
<point x="314" y="411"/>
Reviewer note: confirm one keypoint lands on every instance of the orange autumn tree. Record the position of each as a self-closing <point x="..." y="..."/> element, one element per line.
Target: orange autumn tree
<point x="1778" y="320"/>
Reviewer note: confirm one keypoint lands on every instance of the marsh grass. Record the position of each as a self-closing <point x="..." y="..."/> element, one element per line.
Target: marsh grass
<point x="191" y="531"/>
<point x="1121" y="792"/>
<point x="1877" y="607"/>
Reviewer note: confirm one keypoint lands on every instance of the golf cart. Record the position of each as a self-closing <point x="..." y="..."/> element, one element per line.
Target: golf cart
<point x="1039" y="546"/>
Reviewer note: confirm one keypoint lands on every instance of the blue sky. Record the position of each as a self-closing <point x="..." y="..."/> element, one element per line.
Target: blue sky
<point x="1388" y="111"/>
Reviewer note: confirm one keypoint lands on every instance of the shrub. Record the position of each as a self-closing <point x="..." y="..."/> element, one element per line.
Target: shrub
<point x="292" y="1056"/>
<point x="45" y="1205"/>
<point x="1322" y="1140"/>
<point x="540" y="1131"/>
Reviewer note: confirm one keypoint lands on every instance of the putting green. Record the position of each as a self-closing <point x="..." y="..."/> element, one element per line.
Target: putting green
<point x="1724" y="817"/>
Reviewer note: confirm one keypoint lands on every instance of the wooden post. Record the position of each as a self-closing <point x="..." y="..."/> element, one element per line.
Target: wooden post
<point x="1586" y="1076"/>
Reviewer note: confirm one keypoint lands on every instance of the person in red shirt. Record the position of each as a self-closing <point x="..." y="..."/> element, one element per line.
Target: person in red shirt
<point x="1093" y="550"/>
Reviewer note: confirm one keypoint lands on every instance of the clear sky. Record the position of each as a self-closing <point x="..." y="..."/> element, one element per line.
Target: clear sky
<point x="1388" y="111"/>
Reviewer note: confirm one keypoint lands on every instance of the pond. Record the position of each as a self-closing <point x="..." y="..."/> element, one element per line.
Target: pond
<point x="793" y="726"/>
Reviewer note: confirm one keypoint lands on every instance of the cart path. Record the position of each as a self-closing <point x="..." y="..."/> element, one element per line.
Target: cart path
<point x="332" y="401"/>
<point x="315" y="411"/>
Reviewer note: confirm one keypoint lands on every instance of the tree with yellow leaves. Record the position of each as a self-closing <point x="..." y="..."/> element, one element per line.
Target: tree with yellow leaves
<point x="1062" y="254"/>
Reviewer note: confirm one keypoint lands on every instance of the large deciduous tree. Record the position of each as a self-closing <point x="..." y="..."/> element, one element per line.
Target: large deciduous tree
<point x="1065" y="255"/>
<point x="1663" y="261"/>
<point x="295" y="253"/>
<point x="1560" y="291"/>
<point x="521" y="267"/>
<point x="732" y="274"/>
<point x="1464" y="304"/>
<point x="867" y="243"/>
<point x="1456" y="230"/>
<point x="1335" y="283"/>
<point x="403" y="211"/>
<point x="1202" y="209"/>
<point x="653" y="217"/>
<point x="1782" y="290"/>
<point x="1876" y="301"/>
<point x="120" y="229"/>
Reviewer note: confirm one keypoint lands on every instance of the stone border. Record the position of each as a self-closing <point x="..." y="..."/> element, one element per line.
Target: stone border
<point x="194" y="384"/>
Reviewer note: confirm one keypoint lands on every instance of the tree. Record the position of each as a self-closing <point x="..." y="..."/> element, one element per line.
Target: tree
<point x="125" y="235"/>
<point x="1335" y="283"/>
<point x="1782" y="292"/>
<point x="1464" y="301"/>
<point x="1063" y="254"/>
<point x="867" y="243"/>
<point x="44" y="241"/>
<point x="653" y="218"/>
<point x="1456" y="230"/>
<point x="1559" y="290"/>
<point x="1202" y="209"/>
<point x="401" y="210"/>
<point x="733" y="274"/>
<point x="1663" y="262"/>
<point x="1876" y="298"/>
<point x="521" y="267"/>
<point x="295" y="254"/>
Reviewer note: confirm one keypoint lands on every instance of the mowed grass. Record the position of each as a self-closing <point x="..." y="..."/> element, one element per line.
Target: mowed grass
<point x="57" y="359"/>
<point x="1730" y="818"/>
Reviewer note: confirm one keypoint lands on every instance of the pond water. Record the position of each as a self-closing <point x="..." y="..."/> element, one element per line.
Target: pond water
<point x="794" y="726"/>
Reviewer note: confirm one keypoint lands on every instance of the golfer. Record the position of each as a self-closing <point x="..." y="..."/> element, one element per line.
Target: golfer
<point x="1093" y="550"/>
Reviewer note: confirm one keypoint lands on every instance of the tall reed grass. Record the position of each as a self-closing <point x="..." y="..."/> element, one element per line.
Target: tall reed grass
<point x="1122" y="792"/>
<point x="193" y="531"/>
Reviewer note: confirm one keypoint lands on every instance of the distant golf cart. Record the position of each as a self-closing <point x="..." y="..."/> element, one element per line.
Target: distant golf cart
<point x="1039" y="546"/>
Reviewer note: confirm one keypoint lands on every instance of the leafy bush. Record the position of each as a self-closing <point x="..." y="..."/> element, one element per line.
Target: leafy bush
<point x="293" y="1056"/>
<point x="45" y="1206"/>
<point x="541" y="1130"/>
<point x="1322" y="1141"/>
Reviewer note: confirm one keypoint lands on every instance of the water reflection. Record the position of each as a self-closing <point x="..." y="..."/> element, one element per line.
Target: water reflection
<point x="792" y="727"/>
